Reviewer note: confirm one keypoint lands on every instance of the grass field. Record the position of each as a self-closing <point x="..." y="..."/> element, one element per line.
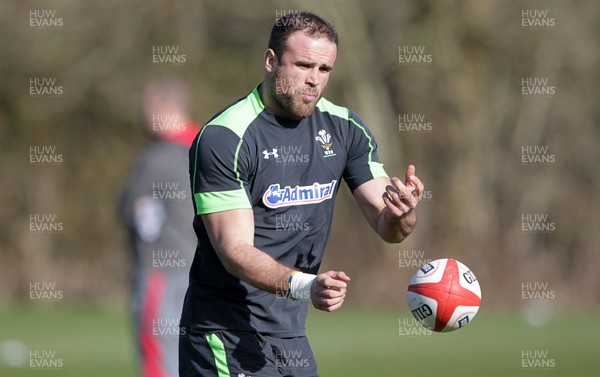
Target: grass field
<point x="94" y="342"/>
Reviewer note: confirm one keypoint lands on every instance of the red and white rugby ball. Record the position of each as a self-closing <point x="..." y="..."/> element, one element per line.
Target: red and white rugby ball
<point x="444" y="295"/>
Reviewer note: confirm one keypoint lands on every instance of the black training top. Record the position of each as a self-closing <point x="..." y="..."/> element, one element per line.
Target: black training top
<point x="288" y="172"/>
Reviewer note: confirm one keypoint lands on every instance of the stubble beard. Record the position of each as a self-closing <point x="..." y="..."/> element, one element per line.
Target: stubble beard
<point x="288" y="96"/>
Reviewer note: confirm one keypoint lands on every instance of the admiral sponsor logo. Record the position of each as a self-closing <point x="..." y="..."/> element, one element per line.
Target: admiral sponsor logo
<point x="275" y="196"/>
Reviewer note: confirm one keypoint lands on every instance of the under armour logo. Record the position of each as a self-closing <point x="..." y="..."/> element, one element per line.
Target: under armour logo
<point x="273" y="153"/>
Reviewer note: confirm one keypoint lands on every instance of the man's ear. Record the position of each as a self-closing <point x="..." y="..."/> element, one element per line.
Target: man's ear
<point x="270" y="60"/>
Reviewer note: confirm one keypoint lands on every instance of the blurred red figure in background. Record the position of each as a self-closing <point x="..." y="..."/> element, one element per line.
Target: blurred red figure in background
<point x="155" y="206"/>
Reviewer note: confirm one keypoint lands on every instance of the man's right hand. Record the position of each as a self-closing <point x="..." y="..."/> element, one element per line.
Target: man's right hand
<point x="328" y="290"/>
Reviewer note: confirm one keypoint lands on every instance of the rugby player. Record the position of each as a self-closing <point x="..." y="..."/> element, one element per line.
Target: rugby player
<point x="270" y="159"/>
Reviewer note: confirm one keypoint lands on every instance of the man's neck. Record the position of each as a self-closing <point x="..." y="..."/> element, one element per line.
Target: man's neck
<point x="270" y="103"/>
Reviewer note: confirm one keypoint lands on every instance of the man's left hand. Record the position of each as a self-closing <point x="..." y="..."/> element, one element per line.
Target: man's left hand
<point x="400" y="198"/>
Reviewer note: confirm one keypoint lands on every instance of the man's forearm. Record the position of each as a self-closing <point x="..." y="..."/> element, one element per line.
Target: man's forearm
<point x="395" y="229"/>
<point x="255" y="267"/>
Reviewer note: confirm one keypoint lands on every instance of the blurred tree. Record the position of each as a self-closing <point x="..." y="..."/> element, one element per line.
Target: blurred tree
<point x="470" y="159"/>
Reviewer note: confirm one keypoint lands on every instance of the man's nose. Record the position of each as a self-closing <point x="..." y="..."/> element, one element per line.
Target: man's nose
<point x="312" y="78"/>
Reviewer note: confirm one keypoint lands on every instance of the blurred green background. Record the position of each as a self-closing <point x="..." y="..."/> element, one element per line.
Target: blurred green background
<point x="94" y="341"/>
<point x="515" y="224"/>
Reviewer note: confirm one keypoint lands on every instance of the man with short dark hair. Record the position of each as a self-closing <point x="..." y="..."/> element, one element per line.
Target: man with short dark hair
<point x="264" y="173"/>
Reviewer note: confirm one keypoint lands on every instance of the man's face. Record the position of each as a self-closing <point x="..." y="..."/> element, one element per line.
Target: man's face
<point x="301" y="74"/>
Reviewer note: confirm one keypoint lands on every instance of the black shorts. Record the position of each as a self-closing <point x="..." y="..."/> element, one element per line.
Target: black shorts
<point x="244" y="354"/>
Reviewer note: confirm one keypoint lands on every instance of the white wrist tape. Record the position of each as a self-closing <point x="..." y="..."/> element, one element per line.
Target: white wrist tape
<point x="300" y="284"/>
